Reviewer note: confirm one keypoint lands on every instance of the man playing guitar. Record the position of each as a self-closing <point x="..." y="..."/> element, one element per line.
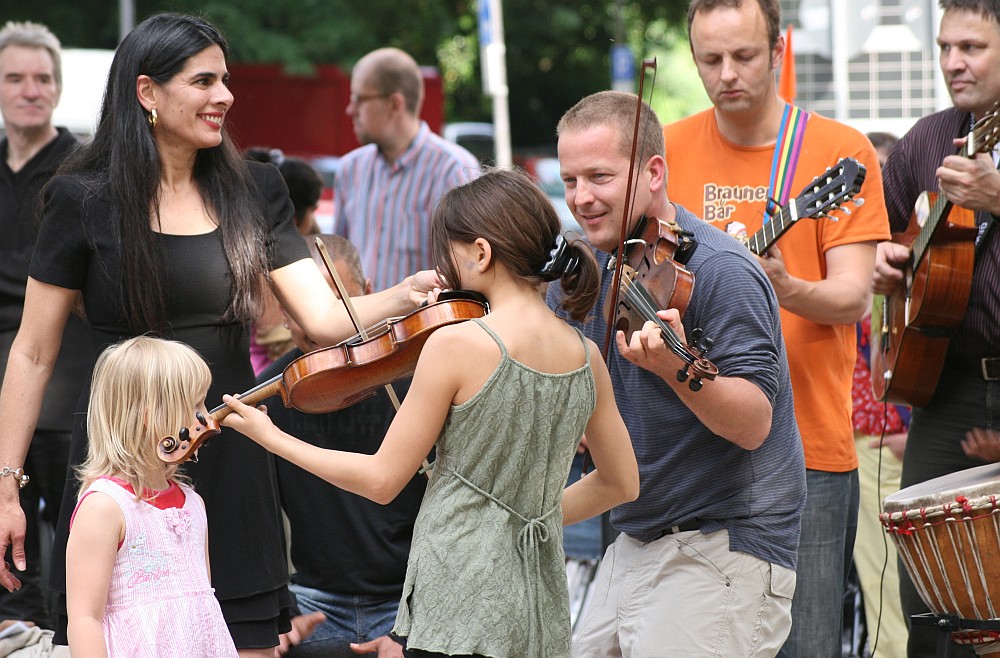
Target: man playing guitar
<point x="956" y="429"/>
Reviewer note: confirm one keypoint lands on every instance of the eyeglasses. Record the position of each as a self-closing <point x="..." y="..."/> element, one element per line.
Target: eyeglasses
<point x="358" y="99"/>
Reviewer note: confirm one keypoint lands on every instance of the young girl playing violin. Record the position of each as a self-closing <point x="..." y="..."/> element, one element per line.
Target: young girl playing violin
<point x="505" y="400"/>
<point x="137" y="558"/>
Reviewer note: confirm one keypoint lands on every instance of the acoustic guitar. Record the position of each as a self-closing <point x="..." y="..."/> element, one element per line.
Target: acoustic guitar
<point x="825" y="193"/>
<point x="911" y="327"/>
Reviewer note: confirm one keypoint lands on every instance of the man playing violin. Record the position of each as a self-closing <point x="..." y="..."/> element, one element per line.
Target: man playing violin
<point x="751" y="146"/>
<point x="957" y="428"/>
<point x="705" y="561"/>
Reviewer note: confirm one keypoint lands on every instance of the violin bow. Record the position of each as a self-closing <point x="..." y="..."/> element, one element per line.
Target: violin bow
<point x="358" y="325"/>
<point x="627" y="206"/>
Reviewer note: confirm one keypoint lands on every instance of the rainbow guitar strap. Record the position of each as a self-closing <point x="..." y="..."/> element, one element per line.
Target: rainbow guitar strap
<point x="791" y="134"/>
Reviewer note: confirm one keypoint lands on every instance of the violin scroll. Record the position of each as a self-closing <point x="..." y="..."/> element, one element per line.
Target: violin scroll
<point x="700" y="344"/>
<point x="174" y="450"/>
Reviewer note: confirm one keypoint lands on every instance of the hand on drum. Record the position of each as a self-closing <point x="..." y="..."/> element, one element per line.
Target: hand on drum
<point x="982" y="444"/>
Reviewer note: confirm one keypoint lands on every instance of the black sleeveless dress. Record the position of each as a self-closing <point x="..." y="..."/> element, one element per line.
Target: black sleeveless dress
<point x="235" y="476"/>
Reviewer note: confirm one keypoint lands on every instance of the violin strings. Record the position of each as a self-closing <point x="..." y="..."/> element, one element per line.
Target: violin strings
<point x="645" y="304"/>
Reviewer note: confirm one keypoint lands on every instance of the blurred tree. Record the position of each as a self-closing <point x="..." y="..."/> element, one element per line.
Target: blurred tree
<point x="557" y="51"/>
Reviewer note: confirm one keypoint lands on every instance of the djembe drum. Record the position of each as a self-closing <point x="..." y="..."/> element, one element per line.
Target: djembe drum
<point x="947" y="532"/>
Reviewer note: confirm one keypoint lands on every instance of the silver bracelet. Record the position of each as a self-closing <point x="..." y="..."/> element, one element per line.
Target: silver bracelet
<point x="18" y="474"/>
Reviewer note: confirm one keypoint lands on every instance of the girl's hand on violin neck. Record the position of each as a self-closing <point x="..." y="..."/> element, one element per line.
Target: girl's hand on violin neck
<point x="646" y="348"/>
<point x="252" y="422"/>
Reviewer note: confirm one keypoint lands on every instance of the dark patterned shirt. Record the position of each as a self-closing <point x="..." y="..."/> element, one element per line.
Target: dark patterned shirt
<point x="910" y="171"/>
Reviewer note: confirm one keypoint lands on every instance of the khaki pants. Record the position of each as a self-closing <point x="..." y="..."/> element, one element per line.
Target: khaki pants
<point x="870" y="551"/>
<point x="685" y="596"/>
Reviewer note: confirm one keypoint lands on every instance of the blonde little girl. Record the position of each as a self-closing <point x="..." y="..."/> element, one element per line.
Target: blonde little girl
<point x="137" y="559"/>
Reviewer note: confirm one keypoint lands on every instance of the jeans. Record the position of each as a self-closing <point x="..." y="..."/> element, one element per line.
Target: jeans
<point x="349" y="619"/>
<point x="829" y="525"/>
<point x="582" y="541"/>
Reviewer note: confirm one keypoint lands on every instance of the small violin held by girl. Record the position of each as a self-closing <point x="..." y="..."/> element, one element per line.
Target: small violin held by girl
<point x="505" y="400"/>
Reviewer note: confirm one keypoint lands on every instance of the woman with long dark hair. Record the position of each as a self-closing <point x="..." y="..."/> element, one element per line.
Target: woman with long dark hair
<point x="162" y="227"/>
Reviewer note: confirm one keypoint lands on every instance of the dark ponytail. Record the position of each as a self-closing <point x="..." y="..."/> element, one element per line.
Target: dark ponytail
<point x="582" y="285"/>
<point x="510" y="211"/>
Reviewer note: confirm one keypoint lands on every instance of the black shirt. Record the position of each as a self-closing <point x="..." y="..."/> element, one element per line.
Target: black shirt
<point x="342" y="542"/>
<point x="909" y="171"/>
<point x="19" y="220"/>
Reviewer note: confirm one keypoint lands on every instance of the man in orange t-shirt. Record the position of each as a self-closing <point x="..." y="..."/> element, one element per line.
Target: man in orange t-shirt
<point x="720" y="163"/>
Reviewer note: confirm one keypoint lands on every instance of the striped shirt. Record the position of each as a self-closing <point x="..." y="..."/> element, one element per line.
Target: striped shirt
<point x="385" y="208"/>
<point x="910" y="171"/>
<point x="687" y="473"/>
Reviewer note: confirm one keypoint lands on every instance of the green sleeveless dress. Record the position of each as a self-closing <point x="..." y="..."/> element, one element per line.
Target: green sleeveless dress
<point x="486" y="573"/>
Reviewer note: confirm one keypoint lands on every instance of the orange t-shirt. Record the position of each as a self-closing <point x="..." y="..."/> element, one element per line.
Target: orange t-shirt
<point x="727" y="185"/>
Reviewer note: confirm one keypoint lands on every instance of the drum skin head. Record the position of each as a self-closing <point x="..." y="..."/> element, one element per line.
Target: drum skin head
<point x="947" y="533"/>
<point x="971" y="483"/>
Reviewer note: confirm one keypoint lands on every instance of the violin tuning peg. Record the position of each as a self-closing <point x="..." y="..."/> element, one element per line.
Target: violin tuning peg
<point x="695" y="385"/>
<point x="201" y="417"/>
<point x="682" y="375"/>
<point x="185" y="434"/>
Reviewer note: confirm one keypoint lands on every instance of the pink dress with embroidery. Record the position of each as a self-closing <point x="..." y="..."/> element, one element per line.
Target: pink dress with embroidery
<point x="161" y="603"/>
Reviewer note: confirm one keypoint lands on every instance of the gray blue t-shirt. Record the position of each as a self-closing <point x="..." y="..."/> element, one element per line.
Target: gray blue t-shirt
<point x="687" y="473"/>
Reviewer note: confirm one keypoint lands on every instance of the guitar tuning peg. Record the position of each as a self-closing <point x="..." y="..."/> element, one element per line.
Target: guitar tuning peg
<point x="858" y="201"/>
<point x="846" y="210"/>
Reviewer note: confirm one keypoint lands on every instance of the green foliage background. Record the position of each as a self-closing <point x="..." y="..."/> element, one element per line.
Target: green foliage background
<point x="557" y="50"/>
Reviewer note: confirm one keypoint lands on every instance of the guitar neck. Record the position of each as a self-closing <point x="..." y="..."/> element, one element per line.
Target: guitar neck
<point x="939" y="210"/>
<point x="768" y="234"/>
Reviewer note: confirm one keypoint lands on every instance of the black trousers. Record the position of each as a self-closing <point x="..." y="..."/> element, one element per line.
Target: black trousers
<point x="933" y="449"/>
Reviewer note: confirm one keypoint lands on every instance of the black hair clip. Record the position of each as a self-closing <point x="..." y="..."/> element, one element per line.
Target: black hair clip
<point x="560" y="262"/>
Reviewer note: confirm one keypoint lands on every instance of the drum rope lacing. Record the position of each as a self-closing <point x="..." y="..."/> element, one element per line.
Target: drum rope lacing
<point x="900" y="525"/>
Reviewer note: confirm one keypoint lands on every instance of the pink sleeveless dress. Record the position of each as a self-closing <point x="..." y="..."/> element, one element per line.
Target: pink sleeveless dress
<point x="161" y="603"/>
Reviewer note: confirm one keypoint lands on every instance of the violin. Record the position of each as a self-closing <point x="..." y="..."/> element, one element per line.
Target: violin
<point x="336" y="377"/>
<point x="650" y="276"/>
<point x="653" y="277"/>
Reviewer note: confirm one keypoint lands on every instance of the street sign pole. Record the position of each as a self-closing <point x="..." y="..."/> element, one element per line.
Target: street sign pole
<point x="493" y="54"/>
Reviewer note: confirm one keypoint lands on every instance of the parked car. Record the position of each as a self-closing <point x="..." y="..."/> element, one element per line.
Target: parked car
<point x="327" y="166"/>
<point x="546" y="172"/>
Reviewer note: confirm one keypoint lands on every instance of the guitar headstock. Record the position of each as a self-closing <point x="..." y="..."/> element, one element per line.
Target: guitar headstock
<point x="985" y="134"/>
<point x="829" y="191"/>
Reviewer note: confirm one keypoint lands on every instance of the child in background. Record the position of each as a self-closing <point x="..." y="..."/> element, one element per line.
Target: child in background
<point x="505" y="399"/>
<point x="137" y="559"/>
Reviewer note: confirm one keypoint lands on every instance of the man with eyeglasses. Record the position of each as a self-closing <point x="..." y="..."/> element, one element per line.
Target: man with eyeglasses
<point x="387" y="189"/>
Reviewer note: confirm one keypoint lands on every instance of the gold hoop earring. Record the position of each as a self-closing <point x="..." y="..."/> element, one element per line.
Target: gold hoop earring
<point x="151" y="118"/>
